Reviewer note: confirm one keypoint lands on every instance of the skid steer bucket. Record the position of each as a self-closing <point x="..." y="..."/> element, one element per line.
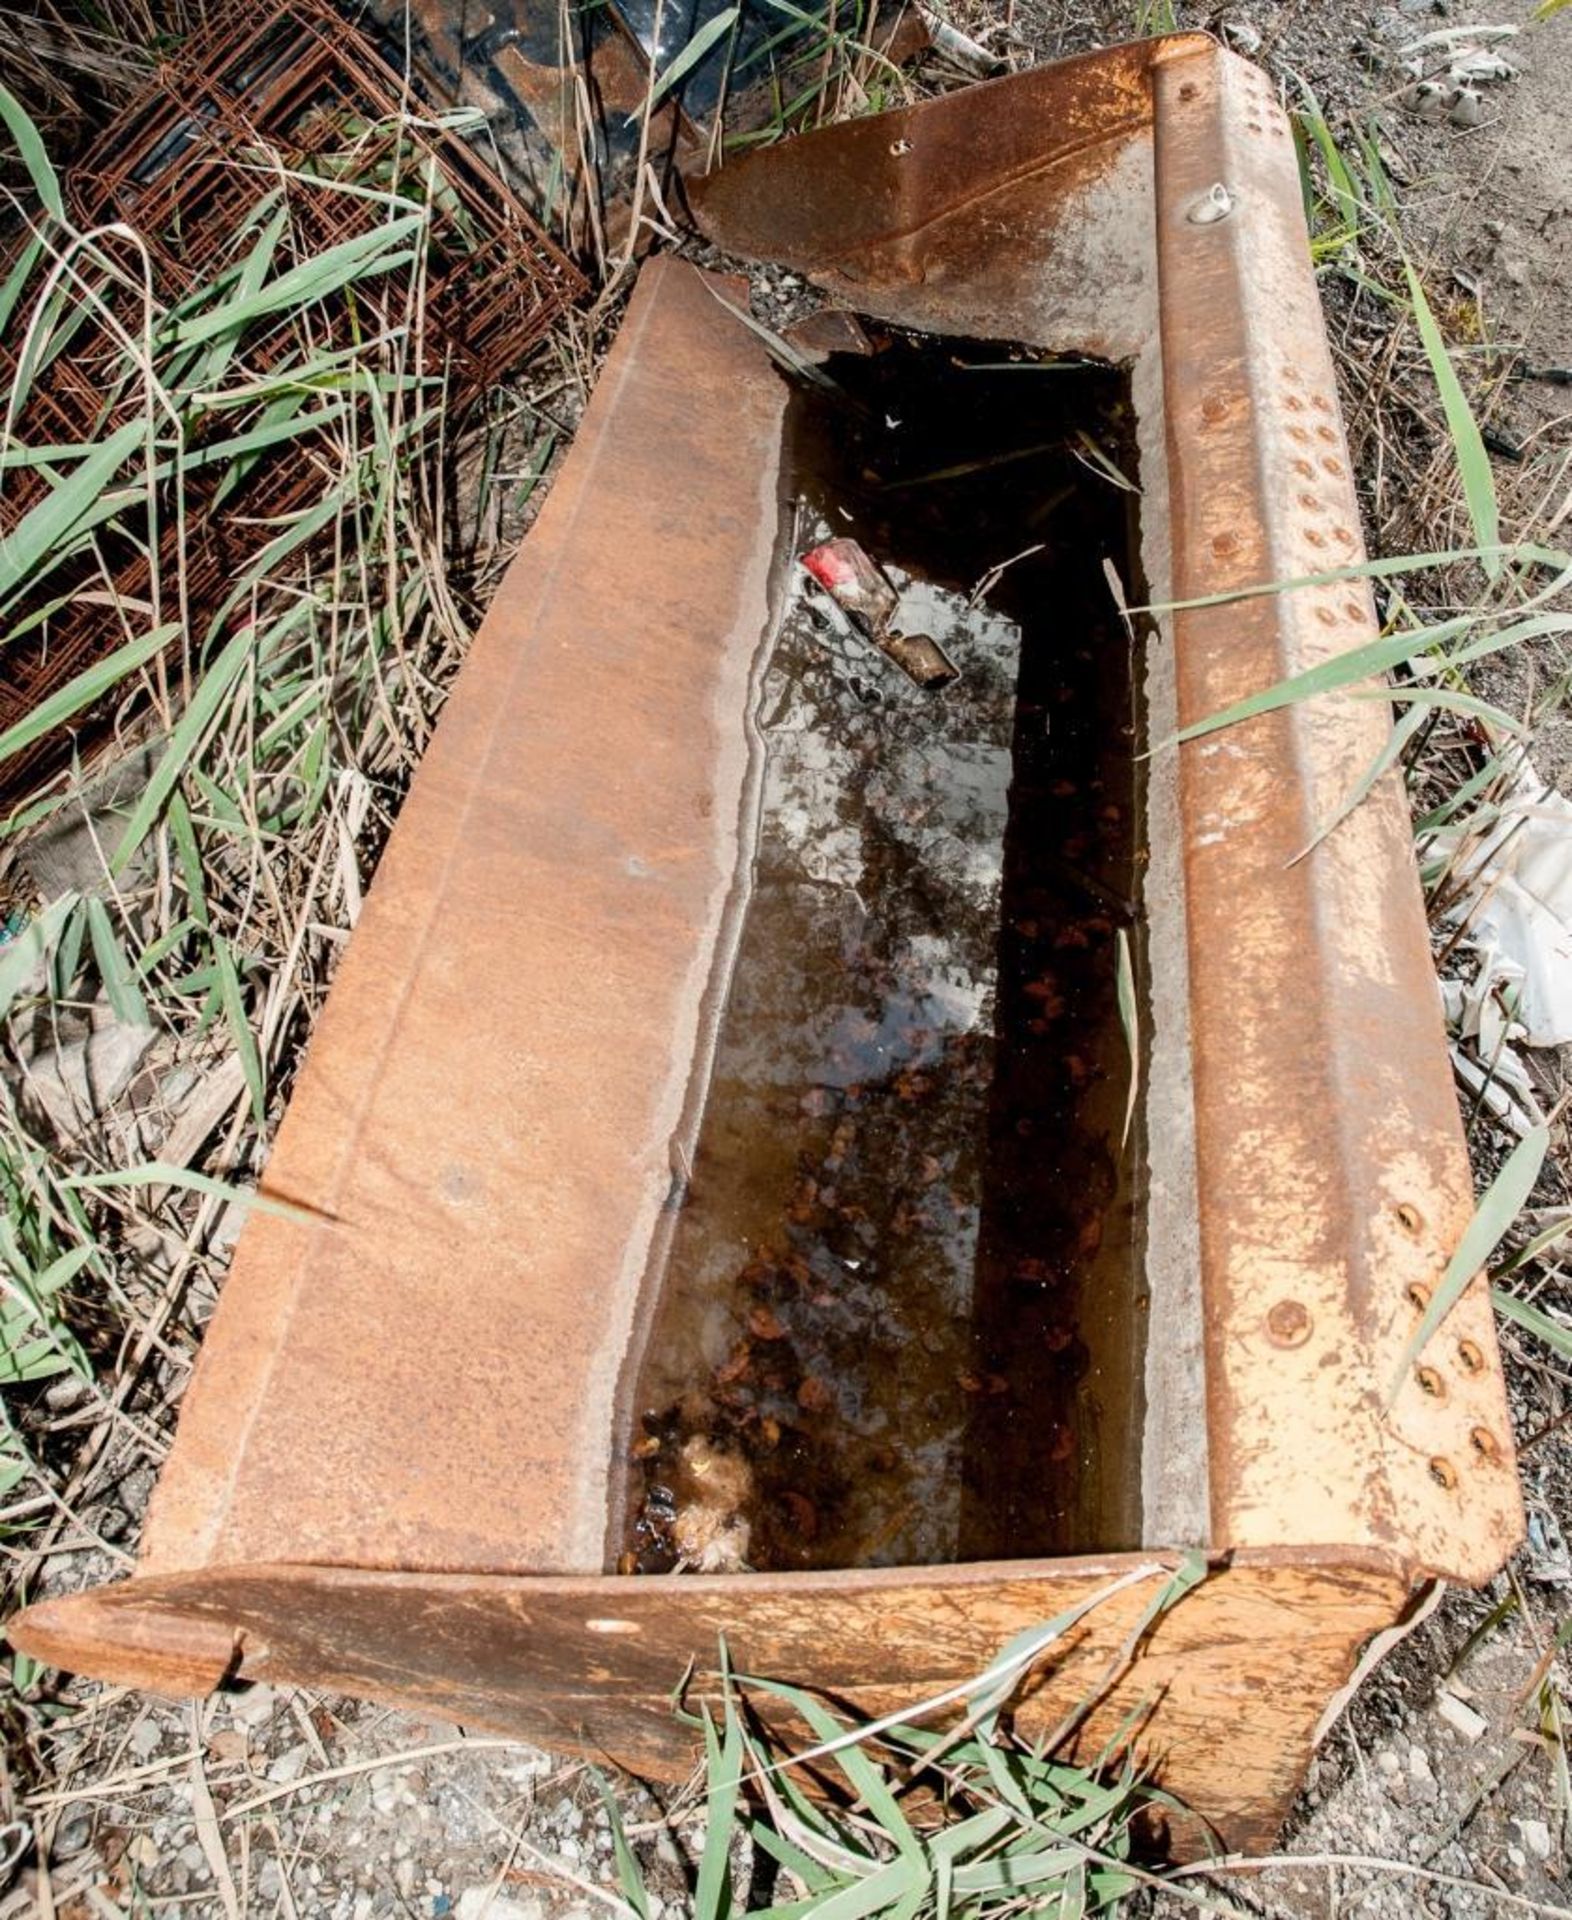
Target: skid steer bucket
<point x="914" y="1160"/>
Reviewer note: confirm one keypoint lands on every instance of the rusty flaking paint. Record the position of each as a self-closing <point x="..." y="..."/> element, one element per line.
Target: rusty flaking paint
<point x="390" y="1475"/>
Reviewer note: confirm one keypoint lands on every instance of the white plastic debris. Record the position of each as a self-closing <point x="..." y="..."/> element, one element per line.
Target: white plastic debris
<point x="1482" y="1016"/>
<point x="1480" y="67"/>
<point x="1518" y="902"/>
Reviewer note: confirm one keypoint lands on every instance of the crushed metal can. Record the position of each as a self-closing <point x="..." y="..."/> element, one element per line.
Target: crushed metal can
<point x="920" y="658"/>
<point x="860" y="587"/>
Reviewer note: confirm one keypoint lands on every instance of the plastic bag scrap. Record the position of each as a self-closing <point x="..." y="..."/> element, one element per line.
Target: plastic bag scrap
<point x="1517" y="902"/>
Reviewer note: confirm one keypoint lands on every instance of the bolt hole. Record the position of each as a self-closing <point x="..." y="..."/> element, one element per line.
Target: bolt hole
<point x="1472" y="1359"/>
<point x="1418" y="1297"/>
<point x="1443" y="1473"/>
<point x="1483" y="1442"/>
<point x="1430" y="1382"/>
<point x="1410" y="1218"/>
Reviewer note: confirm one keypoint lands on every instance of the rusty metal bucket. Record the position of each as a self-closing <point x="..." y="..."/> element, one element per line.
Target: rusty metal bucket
<point x="396" y="1468"/>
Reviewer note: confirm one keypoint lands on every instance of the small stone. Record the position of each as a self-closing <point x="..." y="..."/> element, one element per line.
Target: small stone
<point x="1388" y="1762"/>
<point x="147" y="1736"/>
<point x="1419" y="1764"/>
<point x="1243" y="36"/>
<point x="1536" y="1837"/>
<point x="289" y="1766"/>
<point x="74" y="1084"/>
<point x="1467" y="110"/>
<point x="1461" y="1717"/>
<point x="252" y="1706"/>
<point x="72" y="1836"/>
<point x="1518" y="1857"/>
<point x="480" y="1903"/>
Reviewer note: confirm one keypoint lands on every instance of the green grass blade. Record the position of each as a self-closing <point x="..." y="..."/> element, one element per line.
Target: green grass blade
<point x="1396" y="741"/>
<point x="157" y="1173"/>
<point x="1555" y="1336"/>
<point x="30" y="145"/>
<point x="361" y="256"/>
<point x="183" y="835"/>
<point x="240" y="1028"/>
<point x="712" y="1893"/>
<point x="1502" y="1203"/>
<point x="16" y="280"/>
<point x="1451" y="700"/>
<point x="629" y="1872"/>
<point x="1473" y="462"/>
<point x="48" y="528"/>
<point x="89" y="687"/>
<point x="114" y="966"/>
<point x="707" y="36"/>
<point x="1542" y="1242"/>
<point x="1363" y="663"/>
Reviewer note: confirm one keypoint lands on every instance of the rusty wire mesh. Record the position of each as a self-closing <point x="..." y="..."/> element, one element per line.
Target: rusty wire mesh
<point x="293" y="99"/>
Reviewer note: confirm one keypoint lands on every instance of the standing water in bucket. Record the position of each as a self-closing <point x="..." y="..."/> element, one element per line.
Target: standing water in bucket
<point x="900" y="1318"/>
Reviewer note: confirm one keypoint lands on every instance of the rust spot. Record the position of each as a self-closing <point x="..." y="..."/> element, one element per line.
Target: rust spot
<point x="1225" y="543"/>
<point x="1326" y="616"/>
<point x="1214" y="407"/>
<point x="1299" y="435"/>
<point x="1311" y="503"/>
<point x="1293" y="403"/>
<point x="1329" y="434"/>
<point x="1289" y="1323"/>
<point x="1343" y="536"/>
<point x="1320" y="402"/>
<point x="1315" y="539"/>
<point x="1330" y="464"/>
<point x="1353" y="609"/>
<point x="1304" y="469"/>
<point x="1189" y="90"/>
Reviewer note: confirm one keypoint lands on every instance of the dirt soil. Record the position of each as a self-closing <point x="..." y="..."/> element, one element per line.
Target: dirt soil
<point x="294" y="1804"/>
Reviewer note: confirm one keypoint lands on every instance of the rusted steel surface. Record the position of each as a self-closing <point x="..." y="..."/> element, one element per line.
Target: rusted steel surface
<point x="1331" y="1177"/>
<point x="1333" y="1174"/>
<point x="399" y="1434"/>
<point x="293" y="82"/>
<point x="1223" y="1700"/>
<point x="486" y="1115"/>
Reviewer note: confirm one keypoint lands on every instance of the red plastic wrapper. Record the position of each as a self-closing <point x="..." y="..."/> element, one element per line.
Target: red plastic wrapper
<point x="855" y="583"/>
